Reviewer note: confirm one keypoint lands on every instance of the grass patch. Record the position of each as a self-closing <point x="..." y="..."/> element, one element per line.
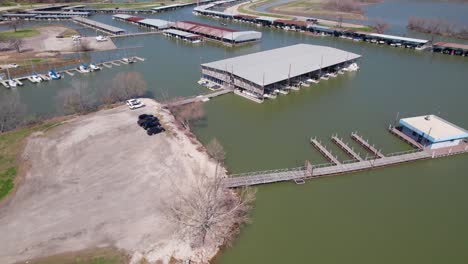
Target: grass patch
<point x="89" y="256"/>
<point x="7" y="3"/>
<point x="242" y="9"/>
<point x="10" y="146"/>
<point x="20" y="33"/>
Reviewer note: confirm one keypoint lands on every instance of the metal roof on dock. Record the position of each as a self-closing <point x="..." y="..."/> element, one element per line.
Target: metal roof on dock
<point x="434" y="128"/>
<point x="100" y="25"/>
<point x="157" y="23"/>
<point x="272" y="66"/>
<point x="452" y="45"/>
<point x="181" y="33"/>
<point x="404" y="39"/>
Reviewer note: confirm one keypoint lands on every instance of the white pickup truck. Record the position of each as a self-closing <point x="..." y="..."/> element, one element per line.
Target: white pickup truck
<point x="134" y="104"/>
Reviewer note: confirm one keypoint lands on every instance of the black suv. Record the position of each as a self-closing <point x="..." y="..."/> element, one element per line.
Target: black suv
<point x="144" y="118"/>
<point x="154" y="130"/>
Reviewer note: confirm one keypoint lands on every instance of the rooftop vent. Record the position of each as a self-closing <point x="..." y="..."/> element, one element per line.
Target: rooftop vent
<point x="427" y="118"/>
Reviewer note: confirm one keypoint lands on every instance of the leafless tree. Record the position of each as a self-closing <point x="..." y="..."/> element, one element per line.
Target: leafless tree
<point x="380" y="25"/>
<point x="188" y="113"/>
<point x="343" y="6"/>
<point x="78" y="99"/>
<point x="12" y="112"/>
<point x="208" y="211"/>
<point x="433" y="26"/>
<point x="17" y="44"/>
<point x="83" y="45"/>
<point x="15" y="24"/>
<point x="125" y="85"/>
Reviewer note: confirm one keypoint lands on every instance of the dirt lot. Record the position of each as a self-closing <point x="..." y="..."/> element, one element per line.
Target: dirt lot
<point x="99" y="181"/>
<point x="47" y="41"/>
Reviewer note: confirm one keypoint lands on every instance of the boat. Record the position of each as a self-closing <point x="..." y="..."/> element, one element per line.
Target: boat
<point x="341" y="71"/>
<point x="283" y="92"/>
<point x="381" y="42"/>
<point x="128" y="60"/>
<point x="83" y="68"/>
<point x="332" y="74"/>
<point x="324" y="77"/>
<point x="12" y="83"/>
<point x="353" y="67"/>
<point x="312" y="81"/>
<point x="53" y="75"/>
<point x="305" y="84"/>
<point x="196" y="41"/>
<point x="94" y="67"/>
<point x="276" y="91"/>
<point x="45" y="77"/>
<point x="36" y="78"/>
<point x="294" y="87"/>
<point x="269" y="96"/>
<point x="101" y="38"/>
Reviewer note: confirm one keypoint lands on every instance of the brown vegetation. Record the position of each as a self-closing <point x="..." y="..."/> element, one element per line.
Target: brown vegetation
<point x="82" y="98"/>
<point x="380" y="26"/>
<point x="436" y="27"/>
<point x="187" y="113"/>
<point x="352" y="6"/>
<point x="208" y="211"/>
<point x="12" y="112"/>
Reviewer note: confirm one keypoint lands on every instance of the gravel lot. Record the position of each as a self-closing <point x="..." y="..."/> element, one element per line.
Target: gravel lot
<point x="99" y="180"/>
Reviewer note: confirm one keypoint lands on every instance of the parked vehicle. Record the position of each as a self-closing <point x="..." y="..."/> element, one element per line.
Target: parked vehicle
<point x="101" y="38"/>
<point x="155" y="130"/>
<point x="134" y="104"/>
<point x="146" y="118"/>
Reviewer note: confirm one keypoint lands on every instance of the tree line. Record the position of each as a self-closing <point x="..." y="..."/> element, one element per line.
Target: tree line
<point x="80" y="98"/>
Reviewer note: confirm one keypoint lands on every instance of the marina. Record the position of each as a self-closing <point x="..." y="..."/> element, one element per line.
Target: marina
<point x="312" y="27"/>
<point x="309" y="171"/>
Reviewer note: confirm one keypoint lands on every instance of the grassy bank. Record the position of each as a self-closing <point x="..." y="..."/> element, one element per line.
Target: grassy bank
<point x="20" y="33"/>
<point x="141" y="5"/>
<point x="247" y="9"/>
<point x="10" y="148"/>
<point x="90" y="256"/>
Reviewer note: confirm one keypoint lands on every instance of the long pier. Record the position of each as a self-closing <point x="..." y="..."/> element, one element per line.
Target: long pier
<point x="324" y="151"/>
<point x="325" y="170"/>
<point x="199" y="98"/>
<point x="367" y="145"/>
<point x="350" y="151"/>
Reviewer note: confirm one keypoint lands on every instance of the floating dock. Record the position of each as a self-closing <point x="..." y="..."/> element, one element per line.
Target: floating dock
<point x="324" y="151"/>
<point x="70" y="72"/>
<point x="350" y="151"/>
<point x="367" y="145"/>
<point x="99" y="26"/>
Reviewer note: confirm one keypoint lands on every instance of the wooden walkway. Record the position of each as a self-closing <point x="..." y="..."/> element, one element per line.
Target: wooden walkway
<point x="405" y="138"/>
<point x="199" y="98"/>
<point x="135" y="34"/>
<point x="324" y="151"/>
<point x="366" y="145"/>
<point x="350" y="151"/>
<point x="337" y="168"/>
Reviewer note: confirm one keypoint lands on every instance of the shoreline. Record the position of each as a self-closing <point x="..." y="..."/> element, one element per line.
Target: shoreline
<point x="188" y="150"/>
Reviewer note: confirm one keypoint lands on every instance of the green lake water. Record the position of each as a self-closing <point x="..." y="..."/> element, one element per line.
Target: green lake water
<point x="412" y="213"/>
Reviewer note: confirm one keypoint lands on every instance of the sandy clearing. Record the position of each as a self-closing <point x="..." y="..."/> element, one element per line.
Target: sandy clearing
<point x="47" y="41"/>
<point x="99" y="181"/>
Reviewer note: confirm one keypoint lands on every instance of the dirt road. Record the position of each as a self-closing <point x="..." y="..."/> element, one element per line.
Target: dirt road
<point x="96" y="181"/>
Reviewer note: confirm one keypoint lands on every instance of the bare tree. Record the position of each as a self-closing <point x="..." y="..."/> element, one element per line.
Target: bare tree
<point x="343" y="6"/>
<point x="125" y="85"/>
<point x="216" y="151"/>
<point x="17" y="44"/>
<point x="78" y="99"/>
<point x="188" y="113"/>
<point x="15" y="24"/>
<point x="433" y="27"/>
<point x="208" y="211"/>
<point x="12" y="112"/>
<point x="82" y="45"/>
<point x="380" y="25"/>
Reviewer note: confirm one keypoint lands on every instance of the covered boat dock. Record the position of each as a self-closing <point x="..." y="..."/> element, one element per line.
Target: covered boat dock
<point x="99" y="26"/>
<point x="257" y="74"/>
<point x="450" y="48"/>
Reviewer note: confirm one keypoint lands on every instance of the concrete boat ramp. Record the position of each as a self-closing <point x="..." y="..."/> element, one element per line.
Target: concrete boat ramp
<point x="336" y="167"/>
<point x="71" y="72"/>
